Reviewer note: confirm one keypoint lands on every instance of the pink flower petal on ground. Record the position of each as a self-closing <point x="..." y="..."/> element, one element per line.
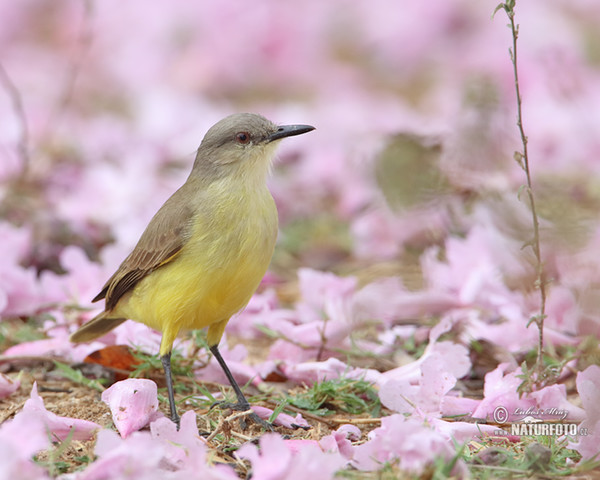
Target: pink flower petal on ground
<point x="434" y="382"/>
<point x="295" y="445"/>
<point x="261" y="306"/>
<point x="21" y="438"/>
<point x="289" y="353"/>
<point x="317" y="287"/>
<point x="563" y="310"/>
<point x="588" y="386"/>
<point x="388" y="300"/>
<point x="453" y="358"/>
<point x="407" y="442"/>
<point x="83" y="277"/>
<point x="276" y="461"/>
<point x="59" y="427"/>
<point x="502" y="403"/>
<point x="137" y="456"/>
<point x="8" y="386"/>
<point x="454" y="405"/>
<point x="462" y="432"/>
<point x="340" y="441"/>
<point x="59" y="346"/>
<point x="312" y="372"/>
<point x="136" y="334"/>
<point x="163" y="454"/>
<point x="351" y="432"/>
<point x="271" y="461"/>
<point x="283" y="419"/>
<point x="552" y="400"/>
<point x="133" y="404"/>
<point x="183" y="448"/>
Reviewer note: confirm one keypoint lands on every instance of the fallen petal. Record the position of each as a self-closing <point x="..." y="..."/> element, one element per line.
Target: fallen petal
<point x="59" y="427"/>
<point x="133" y="404"/>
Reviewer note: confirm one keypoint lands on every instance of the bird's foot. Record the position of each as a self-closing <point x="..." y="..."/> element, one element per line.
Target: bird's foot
<point x="247" y="414"/>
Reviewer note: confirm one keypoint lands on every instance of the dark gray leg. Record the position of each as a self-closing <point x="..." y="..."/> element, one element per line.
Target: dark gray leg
<point x="166" y="361"/>
<point x="242" y="404"/>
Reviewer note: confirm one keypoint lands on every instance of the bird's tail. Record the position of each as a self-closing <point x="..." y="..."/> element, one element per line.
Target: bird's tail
<point x="96" y="327"/>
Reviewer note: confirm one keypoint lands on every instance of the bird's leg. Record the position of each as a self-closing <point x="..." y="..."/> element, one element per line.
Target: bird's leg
<point x="166" y="361"/>
<point x="242" y="404"/>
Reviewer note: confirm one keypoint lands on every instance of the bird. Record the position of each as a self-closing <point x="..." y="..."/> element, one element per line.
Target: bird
<point x="206" y="250"/>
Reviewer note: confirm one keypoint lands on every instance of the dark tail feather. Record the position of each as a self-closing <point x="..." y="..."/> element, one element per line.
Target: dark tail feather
<point x="96" y="327"/>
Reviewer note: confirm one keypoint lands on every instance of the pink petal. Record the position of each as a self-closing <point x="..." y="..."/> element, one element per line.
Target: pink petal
<point x="283" y="419"/>
<point x="60" y="427"/>
<point x="462" y="432"/>
<point x="502" y="403"/>
<point x="453" y="406"/>
<point x="295" y="445"/>
<point x="273" y="459"/>
<point x="25" y="434"/>
<point x="407" y="441"/>
<point x="588" y="386"/>
<point x="451" y="357"/>
<point x="390" y="301"/>
<point x="316" y="287"/>
<point x="339" y="441"/>
<point x="290" y="460"/>
<point x="21" y="438"/>
<point x="8" y="386"/>
<point x="137" y="456"/>
<point x="163" y="454"/>
<point x="133" y="404"/>
<point x="183" y="448"/>
<point x="434" y="382"/>
<point x="311" y="372"/>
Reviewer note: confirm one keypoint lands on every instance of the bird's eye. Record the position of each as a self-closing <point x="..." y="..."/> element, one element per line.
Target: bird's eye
<point x="242" y="137"/>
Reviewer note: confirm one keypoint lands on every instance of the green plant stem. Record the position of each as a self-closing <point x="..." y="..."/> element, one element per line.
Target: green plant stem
<point x="524" y="162"/>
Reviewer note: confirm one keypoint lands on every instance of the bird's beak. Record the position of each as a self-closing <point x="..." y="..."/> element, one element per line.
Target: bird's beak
<point x="289" y="131"/>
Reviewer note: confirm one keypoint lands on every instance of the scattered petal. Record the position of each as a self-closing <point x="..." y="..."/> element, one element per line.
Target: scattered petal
<point x="59" y="427"/>
<point x="406" y="442"/>
<point x="8" y="386"/>
<point x="277" y="461"/>
<point x="133" y="404"/>
<point x="283" y="419"/>
<point x="21" y="438"/>
<point x="588" y="386"/>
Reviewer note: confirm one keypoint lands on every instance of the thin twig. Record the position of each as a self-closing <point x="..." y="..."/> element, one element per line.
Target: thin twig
<point x="15" y="97"/>
<point x="225" y="421"/>
<point x="304" y="413"/>
<point x="83" y="43"/>
<point x="523" y="159"/>
<point x="323" y="340"/>
<point x="355" y="421"/>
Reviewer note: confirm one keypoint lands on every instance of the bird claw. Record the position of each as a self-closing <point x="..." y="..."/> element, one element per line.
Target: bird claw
<point x="244" y="407"/>
<point x="259" y="421"/>
<point x="222" y="405"/>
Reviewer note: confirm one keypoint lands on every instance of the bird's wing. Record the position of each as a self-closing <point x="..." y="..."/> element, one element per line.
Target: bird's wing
<point x="161" y="242"/>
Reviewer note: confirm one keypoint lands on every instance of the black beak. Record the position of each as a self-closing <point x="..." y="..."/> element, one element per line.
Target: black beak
<point x="289" y="131"/>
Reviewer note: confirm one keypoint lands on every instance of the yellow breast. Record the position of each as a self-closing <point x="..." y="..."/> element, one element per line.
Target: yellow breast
<point x="216" y="272"/>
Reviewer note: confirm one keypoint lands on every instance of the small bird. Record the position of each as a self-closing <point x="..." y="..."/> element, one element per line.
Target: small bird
<point x="205" y="251"/>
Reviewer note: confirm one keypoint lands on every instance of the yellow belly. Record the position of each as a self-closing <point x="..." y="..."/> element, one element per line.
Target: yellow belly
<point x="213" y="277"/>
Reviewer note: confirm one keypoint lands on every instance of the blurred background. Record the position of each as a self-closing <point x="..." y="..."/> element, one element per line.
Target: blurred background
<point x="103" y="103"/>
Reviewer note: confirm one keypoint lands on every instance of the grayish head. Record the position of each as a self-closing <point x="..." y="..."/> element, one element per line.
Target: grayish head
<point x="245" y="138"/>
